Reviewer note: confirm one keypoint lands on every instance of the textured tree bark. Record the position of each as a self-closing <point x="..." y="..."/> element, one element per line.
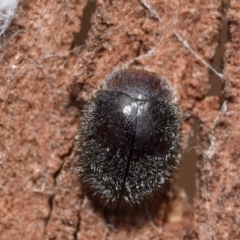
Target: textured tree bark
<point x="41" y="196"/>
<point x="217" y="208"/>
<point x="38" y="124"/>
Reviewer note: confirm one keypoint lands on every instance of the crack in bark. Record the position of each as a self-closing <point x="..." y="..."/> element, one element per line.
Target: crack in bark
<point x="215" y="81"/>
<point x="81" y="37"/>
<point x="107" y="235"/>
<point x="55" y="175"/>
<point x="77" y="229"/>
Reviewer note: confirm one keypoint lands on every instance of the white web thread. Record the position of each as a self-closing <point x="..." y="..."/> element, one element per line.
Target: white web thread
<point x="7" y="12"/>
<point x="180" y="39"/>
<point x="208" y="155"/>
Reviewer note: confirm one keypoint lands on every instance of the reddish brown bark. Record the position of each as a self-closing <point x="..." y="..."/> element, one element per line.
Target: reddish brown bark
<point x="37" y="123"/>
<point x="217" y="208"/>
<point x="41" y="197"/>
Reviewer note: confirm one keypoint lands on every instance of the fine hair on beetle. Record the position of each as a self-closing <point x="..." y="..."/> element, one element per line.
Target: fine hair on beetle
<point x="129" y="139"/>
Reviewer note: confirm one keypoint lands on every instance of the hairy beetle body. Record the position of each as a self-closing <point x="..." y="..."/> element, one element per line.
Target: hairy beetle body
<point x="129" y="139"/>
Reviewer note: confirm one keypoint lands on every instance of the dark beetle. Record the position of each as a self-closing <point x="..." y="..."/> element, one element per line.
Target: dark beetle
<point x="129" y="139"/>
